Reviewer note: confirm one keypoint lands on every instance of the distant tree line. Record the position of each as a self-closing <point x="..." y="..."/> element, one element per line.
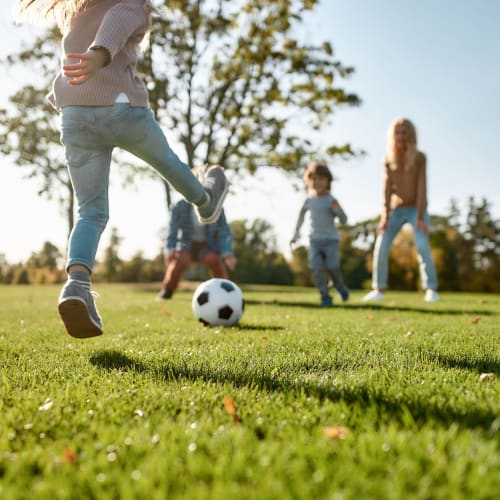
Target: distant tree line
<point x="466" y="251"/>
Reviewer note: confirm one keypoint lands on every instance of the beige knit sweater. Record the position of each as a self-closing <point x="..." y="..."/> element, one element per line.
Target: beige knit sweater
<point x="119" y="26"/>
<point x="405" y="187"/>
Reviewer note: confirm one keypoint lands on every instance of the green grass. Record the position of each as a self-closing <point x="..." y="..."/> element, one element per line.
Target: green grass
<point x="139" y="412"/>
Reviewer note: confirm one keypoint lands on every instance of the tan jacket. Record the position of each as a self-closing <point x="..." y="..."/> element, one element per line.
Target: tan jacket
<point x="119" y="26"/>
<point x="405" y="187"/>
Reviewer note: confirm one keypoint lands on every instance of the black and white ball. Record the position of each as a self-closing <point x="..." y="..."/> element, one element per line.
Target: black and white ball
<point x="218" y="302"/>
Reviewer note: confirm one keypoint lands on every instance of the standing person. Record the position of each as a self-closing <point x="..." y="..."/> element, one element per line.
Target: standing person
<point x="404" y="201"/>
<point x="103" y="105"/>
<point x="188" y="241"/>
<point x="324" y="246"/>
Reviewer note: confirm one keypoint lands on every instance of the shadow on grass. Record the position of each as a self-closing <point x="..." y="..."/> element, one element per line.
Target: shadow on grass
<point x="362" y="397"/>
<point x="376" y="307"/>
<point x="246" y="327"/>
<point x="115" y="360"/>
<point x="481" y="365"/>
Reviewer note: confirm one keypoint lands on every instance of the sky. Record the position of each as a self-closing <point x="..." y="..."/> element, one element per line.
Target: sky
<point x="434" y="62"/>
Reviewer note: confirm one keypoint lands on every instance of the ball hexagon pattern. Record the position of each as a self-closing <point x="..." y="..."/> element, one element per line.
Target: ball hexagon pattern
<point x="218" y="302"/>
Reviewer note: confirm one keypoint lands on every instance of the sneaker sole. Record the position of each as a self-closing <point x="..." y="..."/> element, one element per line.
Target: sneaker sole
<point x="76" y="319"/>
<point x="218" y="208"/>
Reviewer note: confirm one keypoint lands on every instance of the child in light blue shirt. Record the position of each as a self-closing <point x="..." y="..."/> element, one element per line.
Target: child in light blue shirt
<point x="324" y="254"/>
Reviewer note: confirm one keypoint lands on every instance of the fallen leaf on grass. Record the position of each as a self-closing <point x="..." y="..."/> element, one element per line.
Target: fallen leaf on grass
<point x="336" y="432"/>
<point x="164" y="311"/>
<point x="369" y="317"/>
<point x="69" y="456"/>
<point x="230" y="407"/>
<point x="486" y="376"/>
<point x="475" y="320"/>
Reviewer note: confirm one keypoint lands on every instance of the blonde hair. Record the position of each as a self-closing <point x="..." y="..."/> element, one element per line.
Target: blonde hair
<point x="410" y="154"/>
<point x="317" y="168"/>
<point x="59" y="11"/>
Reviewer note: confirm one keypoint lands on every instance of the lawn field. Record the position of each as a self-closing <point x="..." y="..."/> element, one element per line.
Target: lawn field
<point x="395" y="400"/>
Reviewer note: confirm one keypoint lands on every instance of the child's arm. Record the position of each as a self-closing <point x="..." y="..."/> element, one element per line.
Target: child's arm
<point x="338" y="211"/>
<point x="298" y="225"/>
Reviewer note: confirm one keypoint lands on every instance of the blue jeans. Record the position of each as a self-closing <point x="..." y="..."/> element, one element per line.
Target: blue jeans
<point x="324" y="262"/>
<point x="397" y="218"/>
<point x="89" y="135"/>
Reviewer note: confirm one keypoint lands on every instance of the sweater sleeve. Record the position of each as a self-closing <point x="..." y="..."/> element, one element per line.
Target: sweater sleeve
<point x="421" y="187"/>
<point x="300" y="221"/>
<point x="120" y="23"/>
<point x="338" y="211"/>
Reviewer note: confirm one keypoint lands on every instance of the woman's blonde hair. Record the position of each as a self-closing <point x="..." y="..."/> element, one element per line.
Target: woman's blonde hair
<point x="317" y="168"/>
<point x="411" y="151"/>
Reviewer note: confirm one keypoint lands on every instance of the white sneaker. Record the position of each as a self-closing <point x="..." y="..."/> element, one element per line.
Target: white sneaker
<point x="372" y="296"/>
<point x="431" y="295"/>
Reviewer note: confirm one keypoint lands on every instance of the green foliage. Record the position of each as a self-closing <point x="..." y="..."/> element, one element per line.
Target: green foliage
<point x="360" y="401"/>
<point x="258" y="261"/>
<point x="29" y="128"/>
<point x="263" y="81"/>
<point x="111" y="267"/>
<point x="466" y="257"/>
<point x="300" y="267"/>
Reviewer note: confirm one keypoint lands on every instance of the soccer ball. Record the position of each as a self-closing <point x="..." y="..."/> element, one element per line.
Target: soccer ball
<point x="218" y="302"/>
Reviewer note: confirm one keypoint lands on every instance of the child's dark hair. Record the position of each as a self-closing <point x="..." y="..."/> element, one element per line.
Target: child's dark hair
<point x="317" y="168"/>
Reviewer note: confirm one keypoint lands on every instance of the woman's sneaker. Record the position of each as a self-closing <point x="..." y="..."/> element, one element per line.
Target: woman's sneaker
<point x="431" y="295"/>
<point x="216" y="186"/>
<point x="373" y="296"/>
<point x="78" y="311"/>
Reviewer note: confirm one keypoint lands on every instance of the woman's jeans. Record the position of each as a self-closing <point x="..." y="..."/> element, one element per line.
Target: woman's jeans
<point x="397" y="218"/>
<point x="89" y="135"/>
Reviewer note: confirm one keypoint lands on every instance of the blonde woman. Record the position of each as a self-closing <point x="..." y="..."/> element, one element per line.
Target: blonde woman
<point x="103" y="105"/>
<point x="405" y="201"/>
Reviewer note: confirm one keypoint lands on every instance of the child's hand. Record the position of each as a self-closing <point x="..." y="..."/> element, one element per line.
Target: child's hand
<point x="85" y="65"/>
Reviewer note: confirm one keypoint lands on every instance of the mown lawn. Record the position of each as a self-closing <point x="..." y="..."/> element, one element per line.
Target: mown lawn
<point x="395" y="400"/>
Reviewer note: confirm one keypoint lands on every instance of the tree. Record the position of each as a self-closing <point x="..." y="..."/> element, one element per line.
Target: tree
<point x="110" y="268"/>
<point x="229" y="78"/>
<point x="300" y="267"/>
<point x="232" y="81"/>
<point x="258" y="261"/>
<point x="481" y="248"/>
<point x="29" y="132"/>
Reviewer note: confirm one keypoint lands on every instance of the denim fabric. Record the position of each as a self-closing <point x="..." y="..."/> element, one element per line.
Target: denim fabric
<point x="397" y="218"/>
<point x="180" y="231"/>
<point x="89" y="135"/>
<point x="324" y="262"/>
